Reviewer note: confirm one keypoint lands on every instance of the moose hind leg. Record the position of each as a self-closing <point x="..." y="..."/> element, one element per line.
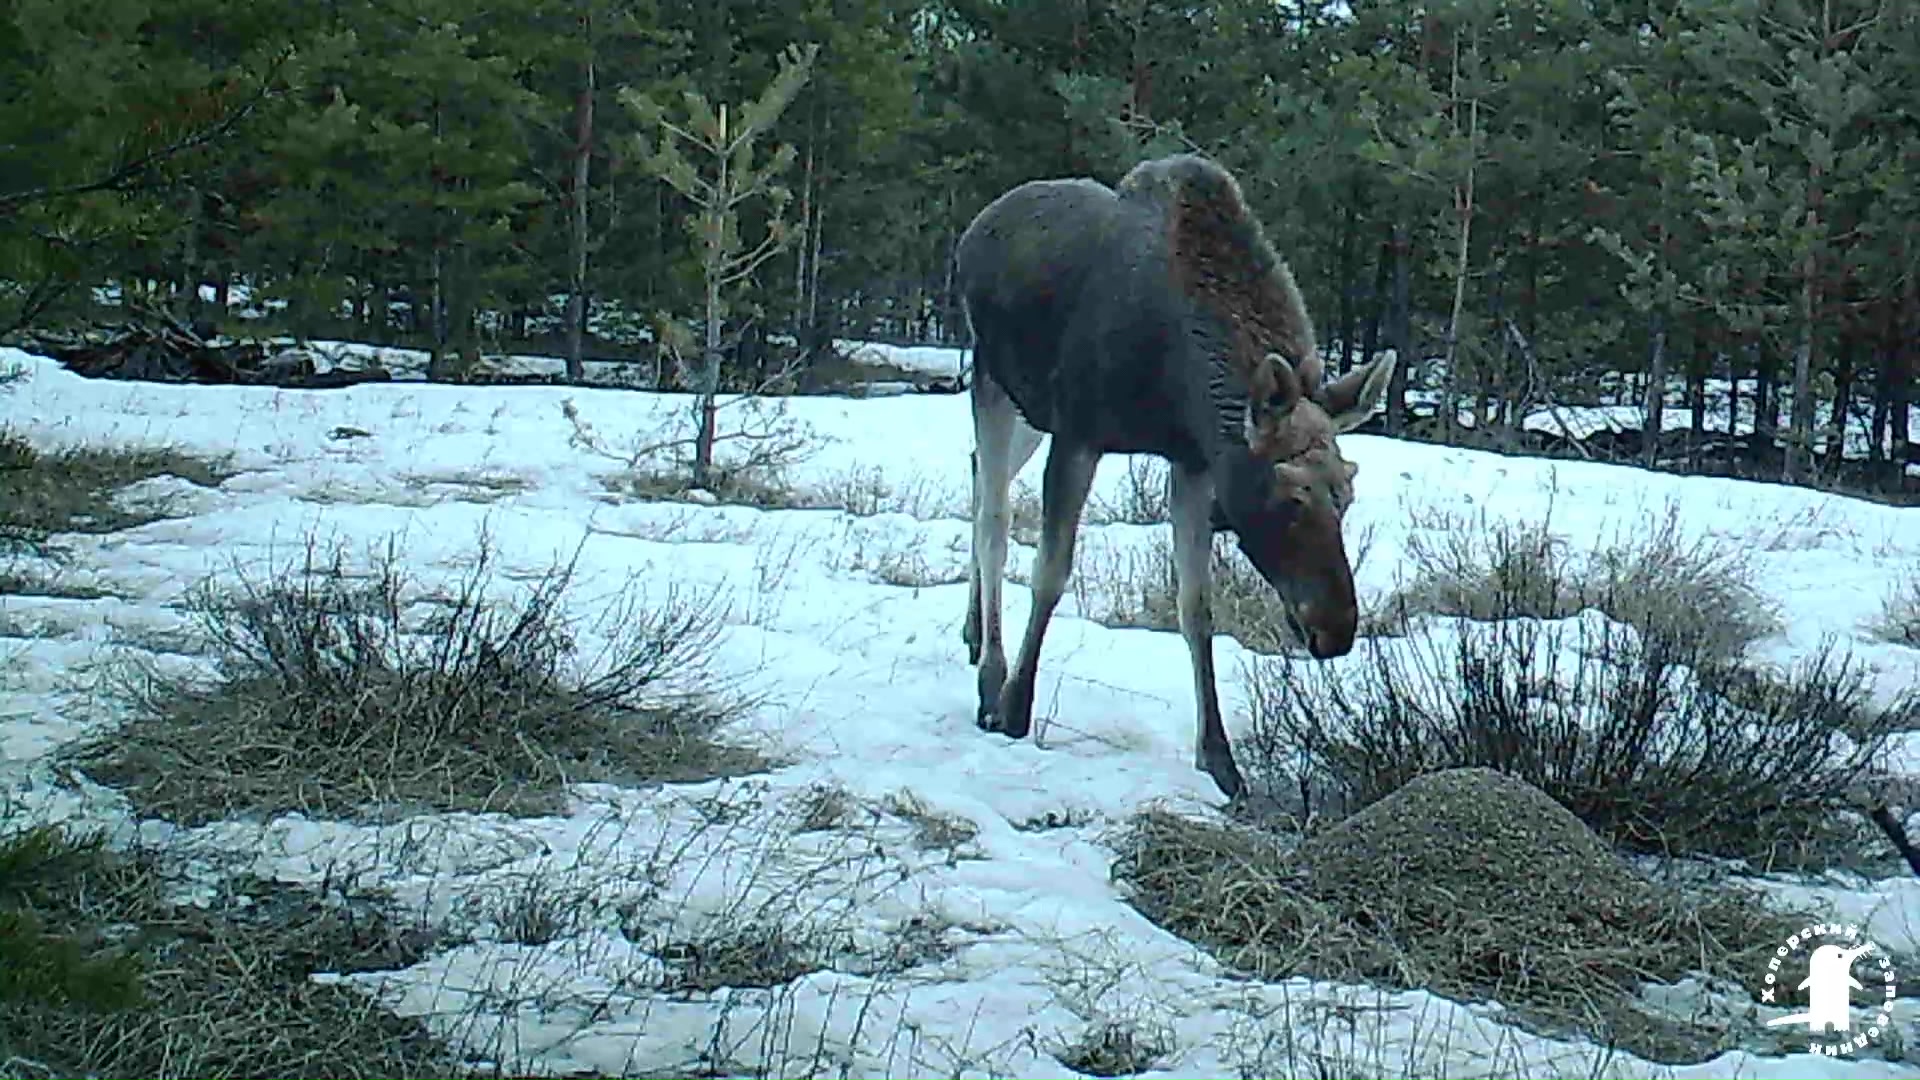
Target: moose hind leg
<point x="1191" y="501"/>
<point x="1063" y="495"/>
<point x="970" y="630"/>
<point x="1021" y="443"/>
<point x="993" y="424"/>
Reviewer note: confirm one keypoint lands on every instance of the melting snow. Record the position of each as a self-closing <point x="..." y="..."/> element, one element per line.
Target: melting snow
<point x="869" y="691"/>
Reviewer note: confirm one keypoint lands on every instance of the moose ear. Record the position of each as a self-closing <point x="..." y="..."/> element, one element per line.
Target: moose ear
<point x="1273" y="389"/>
<point x="1351" y="399"/>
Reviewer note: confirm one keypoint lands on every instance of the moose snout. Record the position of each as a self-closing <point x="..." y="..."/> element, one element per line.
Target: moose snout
<point x="1328" y="634"/>
<point x="1327" y="631"/>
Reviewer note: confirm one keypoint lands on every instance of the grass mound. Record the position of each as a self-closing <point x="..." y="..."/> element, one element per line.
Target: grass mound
<point x="332" y="698"/>
<point x="1655" y="748"/>
<point x="1658" y="580"/>
<point x="47" y="492"/>
<point x="99" y="976"/>
<point x="1469" y="884"/>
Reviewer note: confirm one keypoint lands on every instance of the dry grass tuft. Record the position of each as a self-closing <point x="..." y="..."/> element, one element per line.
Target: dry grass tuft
<point x="1899" y="620"/>
<point x="40" y="575"/>
<point x="145" y="988"/>
<point x="731" y="487"/>
<point x="1419" y="892"/>
<point x="1114" y="1048"/>
<point x="1658" y="580"/>
<point x="332" y="699"/>
<point x="866" y="491"/>
<point x="758" y="954"/>
<point x="1138" y="588"/>
<point x="48" y="492"/>
<point x="932" y="829"/>
<point x="902" y="563"/>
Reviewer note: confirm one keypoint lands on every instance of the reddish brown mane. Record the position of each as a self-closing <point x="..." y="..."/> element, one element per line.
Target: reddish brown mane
<point x="1221" y="258"/>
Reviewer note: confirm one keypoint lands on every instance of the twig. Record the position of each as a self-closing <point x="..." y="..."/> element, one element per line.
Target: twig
<point x="1553" y="407"/>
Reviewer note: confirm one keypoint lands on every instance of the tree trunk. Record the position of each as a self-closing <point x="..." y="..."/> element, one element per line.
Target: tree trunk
<point x="1655" y="424"/>
<point x="578" y="234"/>
<point x="814" y="236"/>
<point x="1463" y="207"/>
<point x="1799" y="465"/>
<point x="1884" y="344"/>
<point x="1836" y="448"/>
<point x="714" y="265"/>
<point x="1766" y="404"/>
<point x="801" y="250"/>
<point x="705" y="406"/>
<point x="379" y="312"/>
<point x="1349" y="226"/>
<point x="1402" y="328"/>
<point x="462" y="303"/>
<point x="1697" y="391"/>
<point x="189" y="309"/>
<point x="1899" y="376"/>
<point x="437" y="313"/>
<point x="1377" y="298"/>
<point x="437" y="355"/>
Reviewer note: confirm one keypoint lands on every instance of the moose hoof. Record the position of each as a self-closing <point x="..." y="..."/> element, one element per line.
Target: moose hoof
<point x="988" y="718"/>
<point x="1226" y="776"/>
<point x="973" y="653"/>
<point x="1015" y="715"/>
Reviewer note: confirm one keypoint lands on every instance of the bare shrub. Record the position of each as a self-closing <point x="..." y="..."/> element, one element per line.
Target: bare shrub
<point x="1656" y="745"/>
<point x="1899" y="618"/>
<point x="761" y="447"/>
<point x="1024" y="511"/>
<point x="1142" y="499"/>
<point x="760" y="488"/>
<point x="1696" y="590"/>
<point x="331" y="698"/>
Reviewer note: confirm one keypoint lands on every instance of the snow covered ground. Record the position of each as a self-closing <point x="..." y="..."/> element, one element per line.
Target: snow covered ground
<point x="869" y="692"/>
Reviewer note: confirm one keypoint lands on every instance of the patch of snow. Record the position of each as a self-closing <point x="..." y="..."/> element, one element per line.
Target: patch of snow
<point x="868" y="691"/>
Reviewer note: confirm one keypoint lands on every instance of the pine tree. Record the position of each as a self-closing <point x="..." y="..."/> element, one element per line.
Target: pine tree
<point x="724" y="179"/>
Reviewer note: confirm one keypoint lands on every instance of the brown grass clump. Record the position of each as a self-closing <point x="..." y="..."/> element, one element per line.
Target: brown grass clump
<point x="1657" y="580"/>
<point x="1466" y="883"/>
<point x="1140" y="590"/>
<point x="332" y="698"/>
<point x="103" y="977"/>
<point x="47" y="492"/>
<point x="1899" y="619"/>
<point x="1114" y="1048"/>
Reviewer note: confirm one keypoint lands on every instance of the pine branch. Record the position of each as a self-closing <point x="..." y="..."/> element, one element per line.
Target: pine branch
<point x="121" y="177"/>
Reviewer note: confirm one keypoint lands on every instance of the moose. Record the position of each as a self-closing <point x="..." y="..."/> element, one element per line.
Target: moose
<point x="1154" y="318"/>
